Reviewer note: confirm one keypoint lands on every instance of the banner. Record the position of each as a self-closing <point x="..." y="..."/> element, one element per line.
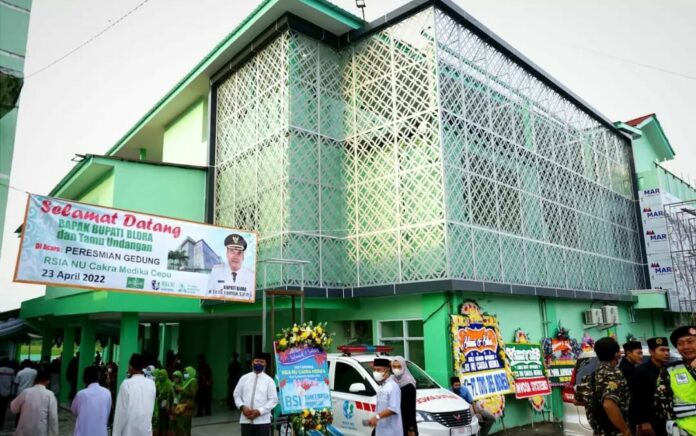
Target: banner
<point x="478" y="350"/>
<point x="79" y="245"/>
<point x="303" y="378"/>
<point x="527" y="369"/>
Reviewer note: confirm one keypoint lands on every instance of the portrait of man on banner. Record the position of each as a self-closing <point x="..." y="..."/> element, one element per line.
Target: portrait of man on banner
<point x="232" y="275"/>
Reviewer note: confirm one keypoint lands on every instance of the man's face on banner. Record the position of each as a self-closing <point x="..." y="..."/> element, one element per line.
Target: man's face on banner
<point x="235" y="258"/>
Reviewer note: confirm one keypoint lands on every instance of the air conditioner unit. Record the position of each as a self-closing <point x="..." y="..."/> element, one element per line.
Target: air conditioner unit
<point x="593" y="316"/>
<point x="610" y="314"/>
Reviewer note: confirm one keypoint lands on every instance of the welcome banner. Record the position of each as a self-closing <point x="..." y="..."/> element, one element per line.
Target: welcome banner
<point x="78" y="245"/>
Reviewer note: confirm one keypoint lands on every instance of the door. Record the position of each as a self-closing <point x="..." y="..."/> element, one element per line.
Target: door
<point x="351" y="409"/>
<point x="249" y="345"/>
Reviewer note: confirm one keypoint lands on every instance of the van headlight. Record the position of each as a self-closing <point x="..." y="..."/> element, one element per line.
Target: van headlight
<point x="424" y="417"/>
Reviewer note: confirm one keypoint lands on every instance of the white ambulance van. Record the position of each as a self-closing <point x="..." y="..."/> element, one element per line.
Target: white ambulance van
<point x="354" y="397"/>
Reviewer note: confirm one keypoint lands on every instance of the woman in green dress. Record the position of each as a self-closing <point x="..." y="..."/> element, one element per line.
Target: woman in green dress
<point x="163" y="402"/>
<point x="184" y="403"/>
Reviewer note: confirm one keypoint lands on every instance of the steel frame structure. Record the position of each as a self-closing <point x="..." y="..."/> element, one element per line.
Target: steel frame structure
<point x="681" y="231"/>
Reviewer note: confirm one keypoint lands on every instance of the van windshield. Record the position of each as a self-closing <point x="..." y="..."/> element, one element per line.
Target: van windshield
<point x="423" y="380"/>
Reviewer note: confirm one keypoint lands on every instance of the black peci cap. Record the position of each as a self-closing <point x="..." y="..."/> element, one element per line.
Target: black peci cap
<point x="680" y="332"/>
<point x="632" y="345"/>
<point x="381" y="361"/>
<point x="657" y="342"/>
<point x="235" y="241"/>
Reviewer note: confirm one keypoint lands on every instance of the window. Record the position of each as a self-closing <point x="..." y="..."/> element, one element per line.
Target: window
<point x="406" y="337"/>
<point x="346" y="375"/>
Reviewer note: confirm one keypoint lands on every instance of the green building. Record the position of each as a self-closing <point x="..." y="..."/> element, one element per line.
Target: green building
<point x="14" y="27"/>
<point x="413" y="163"/>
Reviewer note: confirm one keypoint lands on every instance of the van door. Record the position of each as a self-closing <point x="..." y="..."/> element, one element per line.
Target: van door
<point x="351" y="408"/>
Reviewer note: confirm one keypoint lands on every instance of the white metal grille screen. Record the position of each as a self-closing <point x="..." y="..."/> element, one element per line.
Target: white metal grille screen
<point x="421" y="153"/>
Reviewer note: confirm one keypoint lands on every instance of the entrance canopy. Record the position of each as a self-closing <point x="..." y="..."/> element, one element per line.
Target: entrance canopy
<point x="15" y="330"/>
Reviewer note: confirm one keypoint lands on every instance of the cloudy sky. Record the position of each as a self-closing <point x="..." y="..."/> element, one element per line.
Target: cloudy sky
<point x="625" y="57"/>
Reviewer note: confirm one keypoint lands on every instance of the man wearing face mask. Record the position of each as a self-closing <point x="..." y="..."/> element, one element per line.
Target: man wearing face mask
<point x="386" y="421"/>
<point x="255" y="396"/>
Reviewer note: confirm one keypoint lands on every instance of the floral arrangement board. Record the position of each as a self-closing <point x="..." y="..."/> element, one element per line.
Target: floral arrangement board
<point x="527" y="365"/>
<point x="302" y="369"/>
<point x="479" y="352"/>
<point x="560" y="352"/>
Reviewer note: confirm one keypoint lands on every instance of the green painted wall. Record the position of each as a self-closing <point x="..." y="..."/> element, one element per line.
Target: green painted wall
<point x="185" y="139"/>
<point x="102" y="194"/>
<point x="644" y="154"/>
<point x="161" y="190"/>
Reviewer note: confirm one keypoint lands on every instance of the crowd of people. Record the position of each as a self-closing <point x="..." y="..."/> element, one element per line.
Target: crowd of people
<point x="155" y="399"/>
<point x="622" y="395"/>
<point x="627" y="396"/>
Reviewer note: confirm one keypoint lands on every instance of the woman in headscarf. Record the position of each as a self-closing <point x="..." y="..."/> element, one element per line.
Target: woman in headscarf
<point x="165" y="394"/>
<point x="184" y="402"/>
<point x="407" y="384"/>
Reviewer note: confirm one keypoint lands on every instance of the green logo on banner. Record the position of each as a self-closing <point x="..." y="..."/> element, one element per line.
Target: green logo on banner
<point x="135" y="283"/>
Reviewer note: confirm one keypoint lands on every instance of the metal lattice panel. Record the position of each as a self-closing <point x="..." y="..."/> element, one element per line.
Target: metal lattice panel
<point x="420" y="153"/>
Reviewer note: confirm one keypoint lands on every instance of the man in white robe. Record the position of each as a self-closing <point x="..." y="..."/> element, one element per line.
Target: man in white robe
<point x="256" y="396"/>
<point x="135" y="402"/>
<point x="37" y="408"/>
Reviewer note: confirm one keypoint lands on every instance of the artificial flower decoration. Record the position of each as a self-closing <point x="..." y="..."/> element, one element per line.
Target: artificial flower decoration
<point x="304" y="335"/>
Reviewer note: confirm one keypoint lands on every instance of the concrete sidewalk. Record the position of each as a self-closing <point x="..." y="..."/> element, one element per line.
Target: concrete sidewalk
<point x="226" y="422"/>
<point x="222" y="422"/>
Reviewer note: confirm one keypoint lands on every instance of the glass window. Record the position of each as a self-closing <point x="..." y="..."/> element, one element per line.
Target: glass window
<point x="416" y="352"/>
<point x="399" y="348"/>
<point x="392" y="329"/>
<point x="415" y="328"/>
<point x="405" y="337"/>
<point x="346" y="375"/>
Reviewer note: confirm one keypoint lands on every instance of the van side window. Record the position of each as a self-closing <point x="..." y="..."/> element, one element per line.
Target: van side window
<point x="346" y="375"/>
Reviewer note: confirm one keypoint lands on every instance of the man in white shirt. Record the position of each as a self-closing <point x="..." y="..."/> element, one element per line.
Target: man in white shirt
<point x="25" y="377"/>
<point x="37" y="408"/>
<point x="7" y="376"/>
<point x="232" y="279"/>
<point x="135" y="402"/>
<point x="387" y="420"/>
<point x="91" y="406"/>
<point x="256" y="396"/>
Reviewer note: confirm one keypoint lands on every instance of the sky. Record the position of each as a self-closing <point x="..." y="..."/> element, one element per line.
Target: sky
<point x="115" y="60"/>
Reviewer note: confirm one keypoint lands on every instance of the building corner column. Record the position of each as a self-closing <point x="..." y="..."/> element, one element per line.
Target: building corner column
<point x="65" y="358"/>
<point x="128" y="343"/>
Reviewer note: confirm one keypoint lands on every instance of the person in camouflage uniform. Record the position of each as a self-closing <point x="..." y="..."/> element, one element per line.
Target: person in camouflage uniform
<point x="605" y="392"/>
<point x="676" y="384"/>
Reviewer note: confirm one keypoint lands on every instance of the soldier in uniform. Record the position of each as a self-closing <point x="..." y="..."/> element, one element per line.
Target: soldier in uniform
<point x="232" y="279"/>
<point x="633" y="355"/>
<point x="643" y="386"/>
<point x="605" y="392"/>
<point x="675" y="395"/>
